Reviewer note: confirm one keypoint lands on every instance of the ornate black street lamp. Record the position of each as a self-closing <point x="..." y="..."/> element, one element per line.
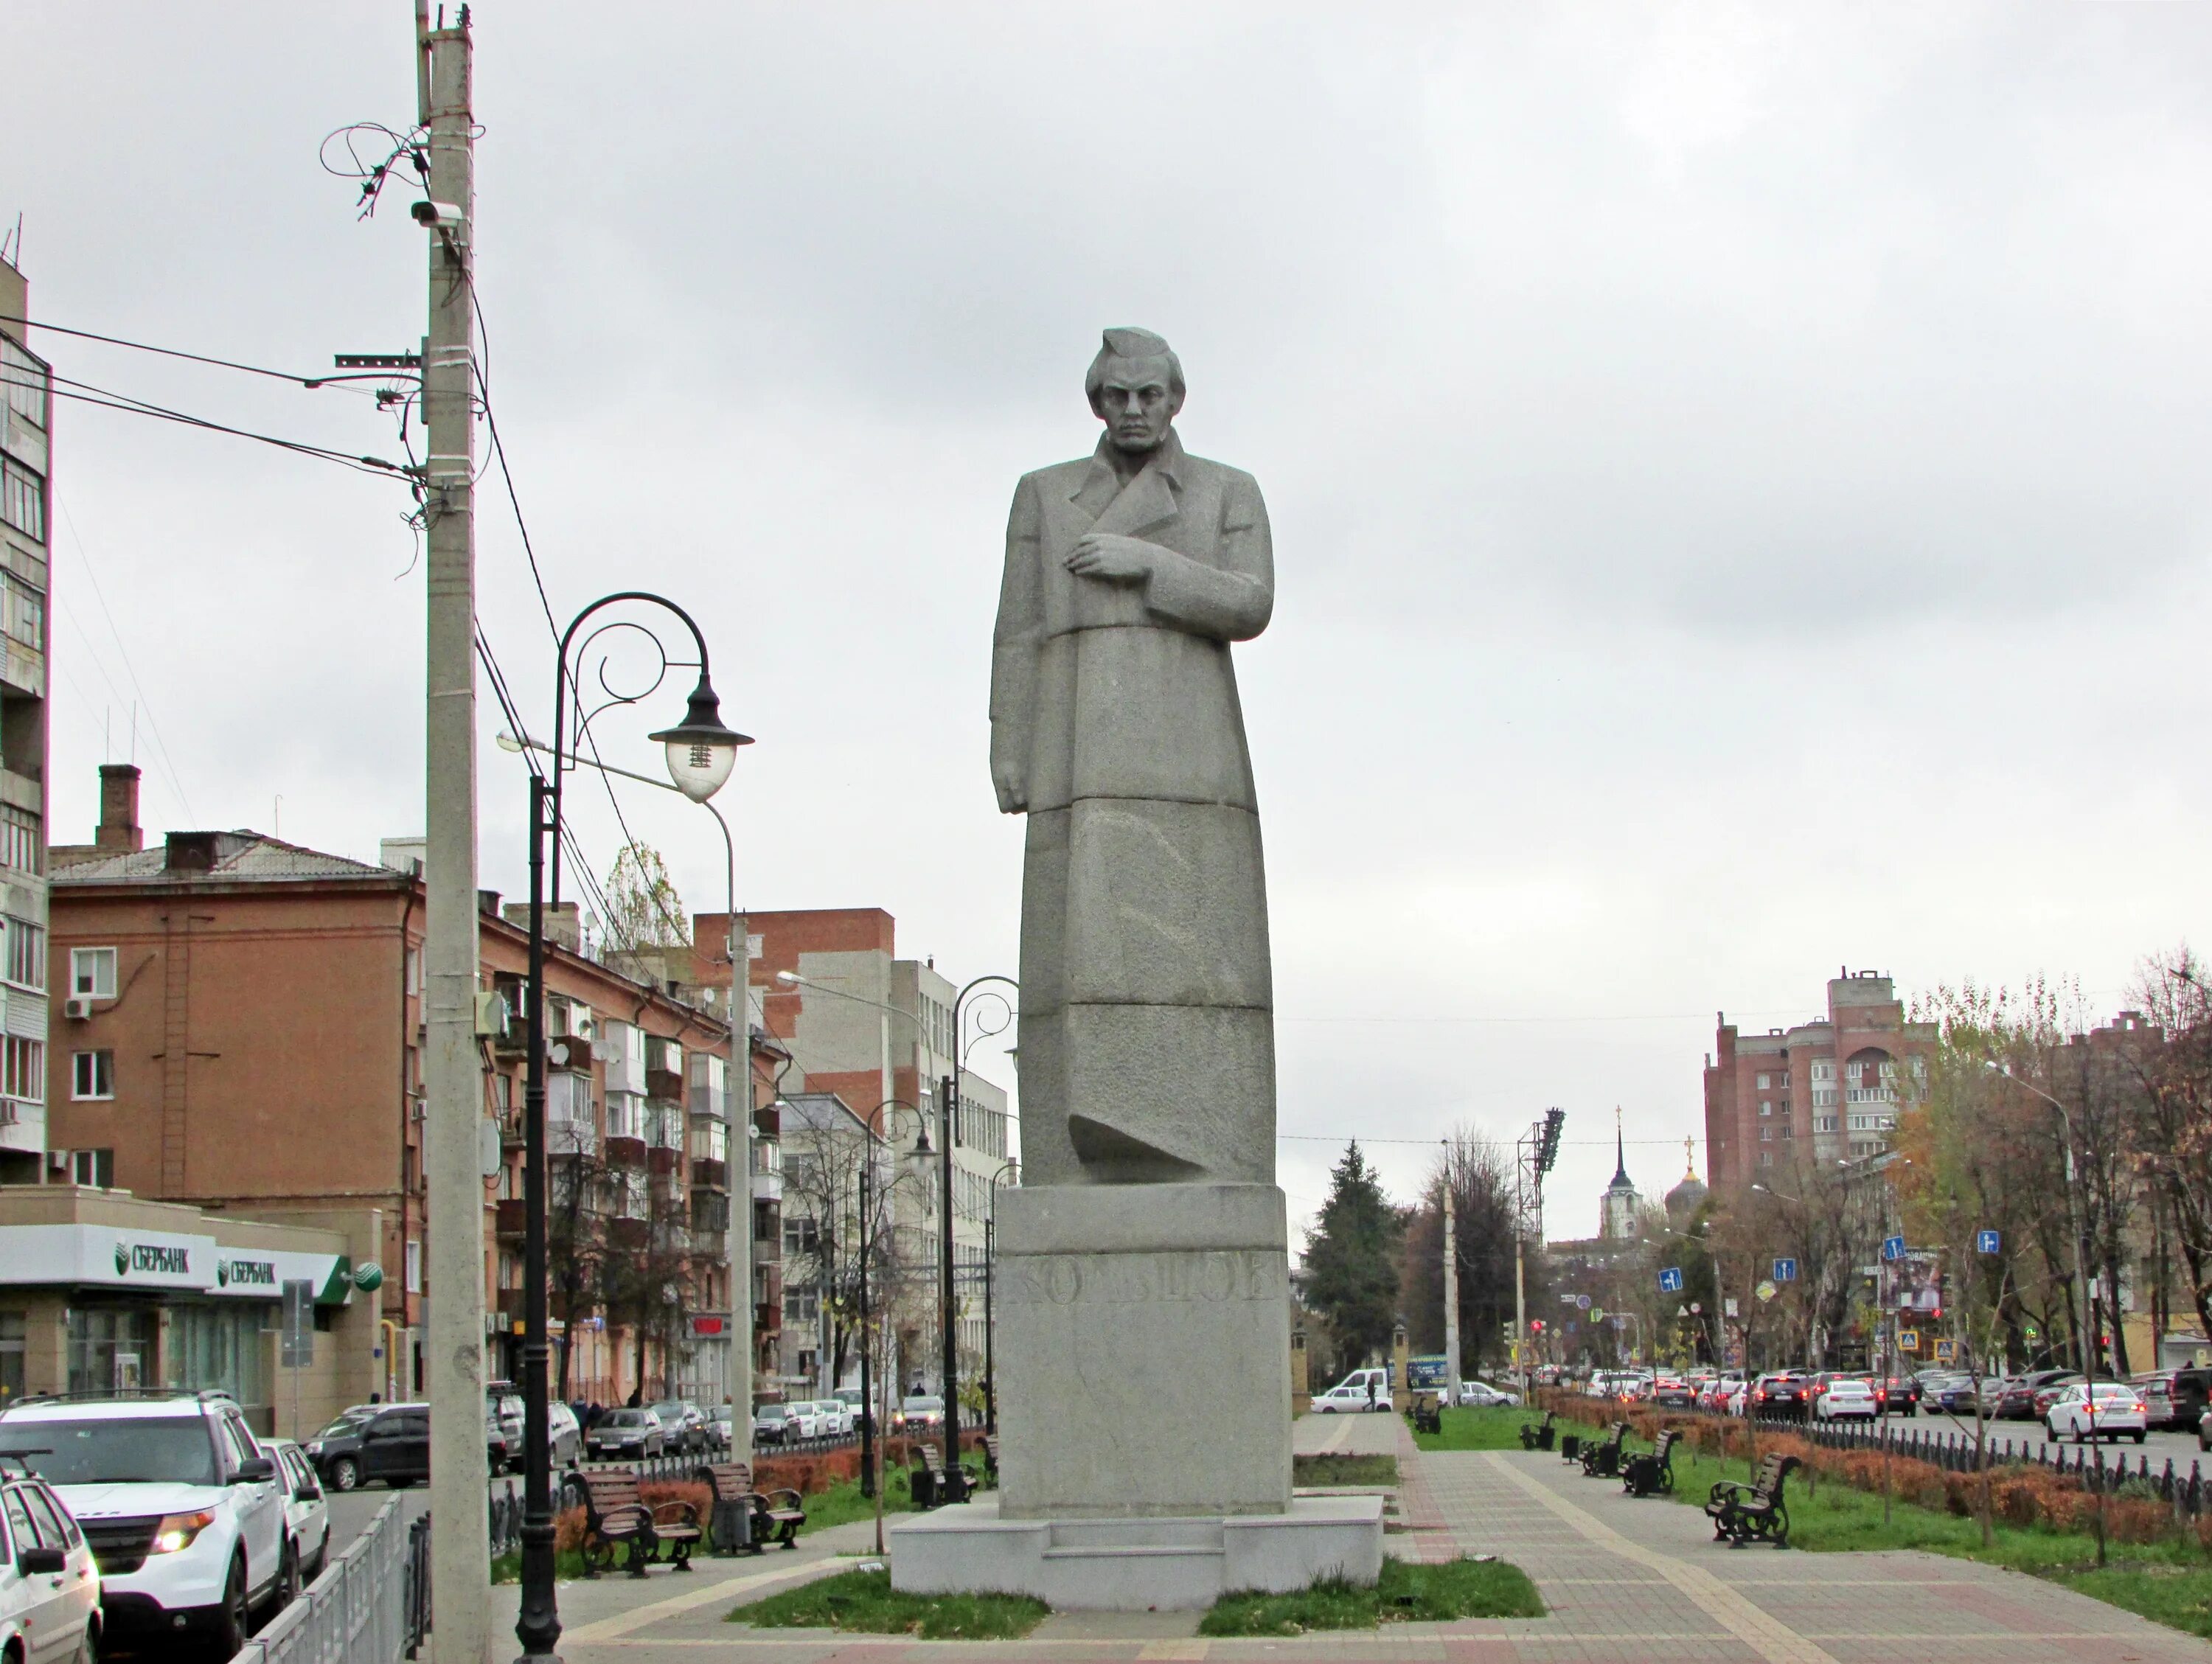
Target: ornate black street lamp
<point x="701" y="752"/>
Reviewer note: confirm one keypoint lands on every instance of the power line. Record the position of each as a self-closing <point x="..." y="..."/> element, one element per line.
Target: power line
<point x="310" y="381"/>
<point x="376" y="466"/>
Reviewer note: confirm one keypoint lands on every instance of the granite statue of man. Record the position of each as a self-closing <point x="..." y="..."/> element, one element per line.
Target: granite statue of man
<point x="1147" y="1035"/>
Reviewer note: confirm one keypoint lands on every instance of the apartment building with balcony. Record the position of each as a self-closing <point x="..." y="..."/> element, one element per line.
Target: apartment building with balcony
<point x="876" y="1030"/>
<point x="245" y="1031"/>
<point x="25" y="473"/>
<point x="1825" y="1090"/>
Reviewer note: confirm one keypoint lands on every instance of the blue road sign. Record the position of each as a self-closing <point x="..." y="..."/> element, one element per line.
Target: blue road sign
<point x="1785" y="1270"/>
<point x="1985" y="1241"/>
<point x="1573" y="1327"/>
<point x="1670" y="1280"/>
<point x="1582" y="1301"/>
<point x="1893" y="1247"/>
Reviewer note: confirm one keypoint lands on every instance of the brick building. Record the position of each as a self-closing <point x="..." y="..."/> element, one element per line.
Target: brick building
<point x="26" y="463"/>
<point x="246" y="1032"/>
<point x="1825" y="1090"/>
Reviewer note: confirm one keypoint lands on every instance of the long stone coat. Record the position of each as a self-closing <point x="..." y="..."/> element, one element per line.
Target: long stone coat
<point x="1147" y="1032"/>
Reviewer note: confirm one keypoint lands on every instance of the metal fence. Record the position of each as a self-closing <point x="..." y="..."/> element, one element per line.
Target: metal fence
<point x="371" y="1605"/>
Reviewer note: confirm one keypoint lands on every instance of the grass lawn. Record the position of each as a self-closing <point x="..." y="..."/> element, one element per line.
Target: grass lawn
<point x="1496" y="1429"/>
<point x="2168" y="1582"/>
<point x="1344" y="1470"/>
<point x="865" y="1602"/>
<point x="1405" y="1594"/>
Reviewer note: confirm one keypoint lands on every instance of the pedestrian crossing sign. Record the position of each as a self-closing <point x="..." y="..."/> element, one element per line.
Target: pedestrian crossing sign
<point x="1908" y="1341"/>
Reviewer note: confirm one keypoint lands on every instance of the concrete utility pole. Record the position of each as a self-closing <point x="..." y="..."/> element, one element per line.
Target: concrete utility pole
<point x="460" y="1563"/>
<point x="1451" y="1289"/>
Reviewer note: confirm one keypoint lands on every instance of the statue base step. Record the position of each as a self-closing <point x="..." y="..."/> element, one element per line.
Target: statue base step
<point x="1179" y="1565"/>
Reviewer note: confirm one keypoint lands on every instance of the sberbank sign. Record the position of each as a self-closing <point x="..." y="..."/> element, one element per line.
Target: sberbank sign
<point x="245" y="1274"/>
<point x="154" y="1257"/>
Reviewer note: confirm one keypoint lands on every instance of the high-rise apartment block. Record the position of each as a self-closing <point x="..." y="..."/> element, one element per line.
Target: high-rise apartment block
<point x="26" y="468"/>
<point x="1826" y="1091"/>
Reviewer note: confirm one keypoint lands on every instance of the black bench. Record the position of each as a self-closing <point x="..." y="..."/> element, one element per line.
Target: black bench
<point x="743" y="1520"/>
<point x="1742" y="1512"/>
<point x="616" y="1517"/>
<point x="1538" y="1435"/>
<point x="929" y="1483"/>
<point x="991" y="1458"/>
<point x="1602" y="1460"/>
<point x="1647" y="1474"/>
<point x="1428" y="1414"/>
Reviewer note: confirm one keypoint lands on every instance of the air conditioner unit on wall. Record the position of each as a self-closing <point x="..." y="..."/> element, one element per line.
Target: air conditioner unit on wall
<point x="77" y="1008"/>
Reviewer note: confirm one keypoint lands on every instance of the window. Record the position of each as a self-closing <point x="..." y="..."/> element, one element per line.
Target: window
<point x="92" y="973"/>
<point x="92" y="1074"/>
<point x="1765" y="1083"/>
<point x="27" y="382"/>
<point x="95" y="1169"/>
<point x="21" y="846"/>
<point x="1788" y="1131"/>
<point x="1825" y="1123"/>
<point x="710" y="1141"/>
<point x="413" y="1282"/>
<point x="27" y="953"/>
<point x="625" y="1115"/>
<point x="1823" y="1071"/>
<point x="801" y="1306"/>
<point x="23" y="1069"/>
<point x="25" y="617"/>
<point x="22" y="499"/>
<point x="798" y="1236"/>
<point x="1785" y="1080"/>
<point x="1766" y="1158"/>
<point x="1765" y="1106"/>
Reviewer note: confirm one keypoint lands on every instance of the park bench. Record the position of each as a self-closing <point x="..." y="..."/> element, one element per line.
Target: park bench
<point x="929" y="1483"/>
<point x="1741" y="1512"/>
<point x="1428" y="1414"/>
<point x="616" y="1515"/>
<point x="991" y="1458"/>
<point x="1602" y="1460"/>
<point x="1538" y="1435"/>
<point x="1644" y="1475"/>
<point x="744" y="1520"/>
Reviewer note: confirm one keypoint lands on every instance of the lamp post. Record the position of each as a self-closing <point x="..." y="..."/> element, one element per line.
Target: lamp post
<point x="701" y="752"/>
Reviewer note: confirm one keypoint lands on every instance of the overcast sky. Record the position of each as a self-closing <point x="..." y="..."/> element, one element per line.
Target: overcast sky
<point x="1737" y="475"/>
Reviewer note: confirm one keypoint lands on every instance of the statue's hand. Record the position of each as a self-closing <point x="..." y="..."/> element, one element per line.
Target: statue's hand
<point x="1112" y="558"/>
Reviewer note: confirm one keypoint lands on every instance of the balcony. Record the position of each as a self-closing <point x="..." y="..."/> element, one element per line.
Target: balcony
<point x="663" y="1083"/>
<point x="708" y="1174"/>
<point x="661" y="1161"/>
<point x="767" y="1187"/>
<point x="629" y="1233"/>
<point x="767" y="1121"/>
<point x="625" y="1152"/>
<point x="508" y="1305"/>
<point x="511" y="1223"/>
<point x="768" y="1319"/>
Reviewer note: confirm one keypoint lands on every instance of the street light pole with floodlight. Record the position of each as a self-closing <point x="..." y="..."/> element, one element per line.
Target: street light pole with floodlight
<point x="701" y="752"/>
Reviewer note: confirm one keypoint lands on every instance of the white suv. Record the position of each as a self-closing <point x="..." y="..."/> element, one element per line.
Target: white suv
<point x="183" y="1509"/>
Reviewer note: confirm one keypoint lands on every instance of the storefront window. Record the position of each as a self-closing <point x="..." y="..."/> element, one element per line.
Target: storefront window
<point x="220" y="1347"/>
<point x="111" y="1348"/>
<point x="11" y="1356"/>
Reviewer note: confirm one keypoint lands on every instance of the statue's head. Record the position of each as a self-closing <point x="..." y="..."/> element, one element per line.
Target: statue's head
<point x="1135" y="385"/>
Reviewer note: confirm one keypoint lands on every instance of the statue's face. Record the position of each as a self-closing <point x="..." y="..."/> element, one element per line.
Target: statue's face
<point x="1136" y="403"/>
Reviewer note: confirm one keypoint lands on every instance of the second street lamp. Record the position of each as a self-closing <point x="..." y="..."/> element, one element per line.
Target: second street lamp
<point x="701" y="751"/>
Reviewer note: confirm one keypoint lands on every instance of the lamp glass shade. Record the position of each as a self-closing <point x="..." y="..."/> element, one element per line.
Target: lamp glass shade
<point x="699" y="766"/>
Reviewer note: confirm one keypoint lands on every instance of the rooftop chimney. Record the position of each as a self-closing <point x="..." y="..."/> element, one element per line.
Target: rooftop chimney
<point x="118" y="808"/>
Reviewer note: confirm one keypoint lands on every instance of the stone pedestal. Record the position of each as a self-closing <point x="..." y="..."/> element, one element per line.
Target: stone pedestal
<point x="1144" y="1351"/>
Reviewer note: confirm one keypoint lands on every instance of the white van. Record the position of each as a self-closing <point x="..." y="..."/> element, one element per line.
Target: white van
<point x="1353" y="1389"/>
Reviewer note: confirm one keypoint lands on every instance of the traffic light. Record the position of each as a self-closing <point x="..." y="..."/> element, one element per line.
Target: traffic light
<point x="1535" y="1325"/>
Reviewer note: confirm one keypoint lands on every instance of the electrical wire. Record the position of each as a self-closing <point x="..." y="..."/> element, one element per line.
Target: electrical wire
<point x="377" y="467"/>
<point x="309" y="381"/>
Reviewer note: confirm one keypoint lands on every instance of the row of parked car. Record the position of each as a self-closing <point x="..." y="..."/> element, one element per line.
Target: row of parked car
<point x="156" y="1517"/>
<point x="1366" y="1390"/>
<point x="2061" y="1399"/>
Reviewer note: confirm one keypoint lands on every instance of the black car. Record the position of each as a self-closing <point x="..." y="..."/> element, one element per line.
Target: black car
<point x="1899" y="1395"/>
<point x="1786" y="1395"/>
<point x="2017" y="1402"/>
<point x="391" y="1444"/>
<point x="1953" y="1394"/>
<point x="2177" y="1398"/>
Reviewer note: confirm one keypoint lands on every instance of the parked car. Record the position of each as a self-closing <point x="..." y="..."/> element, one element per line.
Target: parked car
<point x="2049" y="1394"/>
<point x="49" y="1582"/>
<point x="1846" y="1398"/>
<point x="1953" y="1394"/>
<point x="563" y="1435"/>
<point x="1671" y="1392"/>
<point x="181" y="1509"/>
<point x="2205" y="1431"/>
<point x="1483" y="1396"/>
<point x="1347" y="1402"/>
<point x="306" y="1512"/>
<point x="1898" y="1395"/>
<point x="2174" y="1398"/>
<point x="628" y="1431"/>
<point x="505" y="1403"/>
<point x="836" y="1417"/>
<point x="2016" y="1402"/>
<point x="683" y="1423"/>
<point x="2104" y="1410"/>
<point x="721" y="1428"/>
<point x="774" y="1424"/>
<point x="1783" y="1393"/>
